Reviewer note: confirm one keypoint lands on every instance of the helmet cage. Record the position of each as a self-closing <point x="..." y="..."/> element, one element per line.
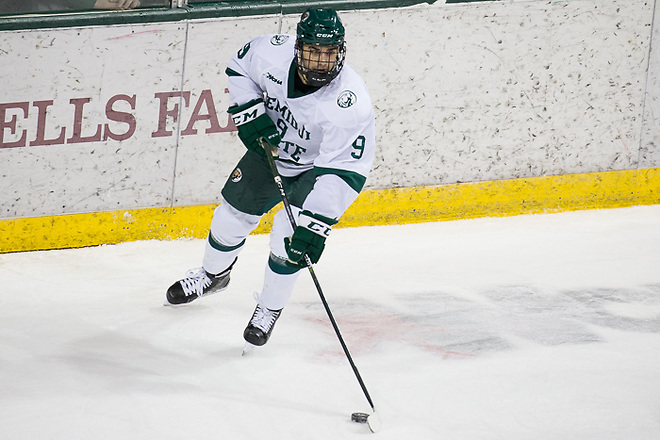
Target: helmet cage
<point x="326" y="70"/>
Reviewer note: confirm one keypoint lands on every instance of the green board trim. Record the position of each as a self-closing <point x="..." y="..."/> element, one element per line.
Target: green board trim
<point x="191" y="12"/>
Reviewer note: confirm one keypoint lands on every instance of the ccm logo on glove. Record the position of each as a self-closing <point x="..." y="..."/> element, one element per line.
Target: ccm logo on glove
<point x="247" y="113"/>
<point x="308" y="238"/>
<point x="319" y="228"/>
<point x="253" y="123"/>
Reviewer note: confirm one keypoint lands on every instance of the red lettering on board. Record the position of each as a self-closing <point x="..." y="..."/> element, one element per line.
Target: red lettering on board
<point x="164" y="112"/>
<point x="117" y="116"/>
<point x="206" y="98"/>
<point x="77" y="137"/>
<point x="42" y="117"/>
<point x="120" y="121"/>
<point x="11" y="124"/>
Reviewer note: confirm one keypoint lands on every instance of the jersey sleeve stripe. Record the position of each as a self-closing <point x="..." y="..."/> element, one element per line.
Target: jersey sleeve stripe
<point x="352" y="179"/>
<point x="231" y="72"/>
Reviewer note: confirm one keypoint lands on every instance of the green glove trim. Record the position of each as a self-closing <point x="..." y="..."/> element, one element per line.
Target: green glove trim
<point x="316" y="223"/>
<point x="248" y="112"/>
<point x="253" y="123"/>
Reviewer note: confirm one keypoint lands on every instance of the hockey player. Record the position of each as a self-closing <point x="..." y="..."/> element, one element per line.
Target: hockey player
<point x="298" y="94"/>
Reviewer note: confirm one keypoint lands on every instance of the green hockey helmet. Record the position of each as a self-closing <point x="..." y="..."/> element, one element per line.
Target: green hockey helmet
<point x="322" y="28"/>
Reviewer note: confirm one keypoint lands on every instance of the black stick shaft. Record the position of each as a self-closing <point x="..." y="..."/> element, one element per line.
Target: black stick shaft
<point x="271" y="153"/>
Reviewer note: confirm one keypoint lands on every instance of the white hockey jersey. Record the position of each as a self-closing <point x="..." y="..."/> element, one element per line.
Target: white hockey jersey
<point x="330" y="130"/>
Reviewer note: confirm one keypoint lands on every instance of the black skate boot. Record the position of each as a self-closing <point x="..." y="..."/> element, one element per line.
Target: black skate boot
<point x="261" y="325"/>
<point x="197" y="283"/>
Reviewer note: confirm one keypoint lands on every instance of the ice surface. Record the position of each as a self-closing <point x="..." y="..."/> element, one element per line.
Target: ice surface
<point x="531" y="327"/>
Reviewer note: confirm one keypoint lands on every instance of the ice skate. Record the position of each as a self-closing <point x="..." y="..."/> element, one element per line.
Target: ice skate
<point x="196" y="284"/>
<point x="260" y="326"/>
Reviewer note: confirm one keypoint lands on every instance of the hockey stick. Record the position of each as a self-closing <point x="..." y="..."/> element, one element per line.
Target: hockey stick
<point x="372" y="419"/>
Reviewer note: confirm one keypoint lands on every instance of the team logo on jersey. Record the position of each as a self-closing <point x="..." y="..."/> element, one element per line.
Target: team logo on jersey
<point x="279" y="40"/>
<point x="236" y="175"/>
<point x="346" y="99"/>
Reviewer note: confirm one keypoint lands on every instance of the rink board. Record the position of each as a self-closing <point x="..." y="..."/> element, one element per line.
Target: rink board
<point x="536" y="195"/>
<point x="513" y="104"/>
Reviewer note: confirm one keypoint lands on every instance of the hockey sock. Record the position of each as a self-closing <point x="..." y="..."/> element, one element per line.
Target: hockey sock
<point x="279" y="281"/>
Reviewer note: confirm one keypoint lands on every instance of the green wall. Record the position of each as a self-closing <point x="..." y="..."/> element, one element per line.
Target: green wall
<point x="192" y="11"/>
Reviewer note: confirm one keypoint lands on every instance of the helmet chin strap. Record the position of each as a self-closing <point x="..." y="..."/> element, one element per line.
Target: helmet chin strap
<point x="312" y="82"/>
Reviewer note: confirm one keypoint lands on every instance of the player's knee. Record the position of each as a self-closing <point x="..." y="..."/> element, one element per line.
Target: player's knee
<point x="231" y="226"/>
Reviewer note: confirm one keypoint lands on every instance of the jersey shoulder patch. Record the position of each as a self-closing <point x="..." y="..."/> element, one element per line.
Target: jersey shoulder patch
<point x="279" y="39"/>
<point x="346" y="99"/>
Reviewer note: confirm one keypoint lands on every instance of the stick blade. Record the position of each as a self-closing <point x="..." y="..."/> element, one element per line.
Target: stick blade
<point x="373" y="421"/>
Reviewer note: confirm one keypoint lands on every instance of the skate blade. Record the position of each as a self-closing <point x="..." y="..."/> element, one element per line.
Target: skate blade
<point x="169" y="304"/>
<point x="247" y="348"/>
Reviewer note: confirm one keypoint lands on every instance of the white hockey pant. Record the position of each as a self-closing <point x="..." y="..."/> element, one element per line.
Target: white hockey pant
<point x="230" y="228"/>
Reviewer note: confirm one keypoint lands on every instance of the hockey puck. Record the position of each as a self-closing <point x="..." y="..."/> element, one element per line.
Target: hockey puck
<point x="359" y="417"/>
